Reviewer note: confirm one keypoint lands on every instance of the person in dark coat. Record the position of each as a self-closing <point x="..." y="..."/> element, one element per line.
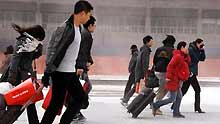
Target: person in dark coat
<point x="84" y="60"/>
<point x="28" y="47"/>
<point x="61" y="58"/>
<point x="128" y="92"/>
<point x="177" y="72"/>
<point x="143" y="59"/>
<point x="197" y="54"/>
<point x="161" y="59"/>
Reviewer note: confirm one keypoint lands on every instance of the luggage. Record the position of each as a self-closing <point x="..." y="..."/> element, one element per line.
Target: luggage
<point x="11" y="114"/>
<point x="140" y="102"/>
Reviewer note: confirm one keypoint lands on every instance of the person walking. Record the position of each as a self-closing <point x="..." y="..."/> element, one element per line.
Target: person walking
<point x="161" y="59"/>
<point x="28" y="48"/>
<point x="143" y="59"/>
<point x="128" y="92"/>
<point x="197" y="54"/>
<point x="84" y="60"/>
<point x="177" y="72"/>
<point x="61" y="58"/>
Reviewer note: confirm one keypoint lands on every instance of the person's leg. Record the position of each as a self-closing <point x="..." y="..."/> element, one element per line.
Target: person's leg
<point x="176" y="107"/>
<point x="131" y="91"/>
<point x="197" y="89"/>
<point x="161" y="91"/>
<point x="186" y="85"/>
<point x="32" y="114"/>
<point x="170" y="99"/>
<point x="75" y="89"/>
<point x="128" y="85"/>
<point x="59" y="83"/>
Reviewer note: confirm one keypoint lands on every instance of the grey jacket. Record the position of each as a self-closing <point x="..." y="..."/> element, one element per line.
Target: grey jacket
<point x="62" y="37"/>
<point x="142" y="64"/>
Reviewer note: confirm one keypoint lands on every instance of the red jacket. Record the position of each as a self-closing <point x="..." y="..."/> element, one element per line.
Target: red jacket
<point x="177" y="70"/>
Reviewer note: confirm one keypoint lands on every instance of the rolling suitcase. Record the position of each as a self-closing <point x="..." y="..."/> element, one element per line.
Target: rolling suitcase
<point x="140" y="102"/>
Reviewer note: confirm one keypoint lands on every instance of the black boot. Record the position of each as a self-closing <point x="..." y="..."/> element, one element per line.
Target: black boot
<point x="197" y="104"/>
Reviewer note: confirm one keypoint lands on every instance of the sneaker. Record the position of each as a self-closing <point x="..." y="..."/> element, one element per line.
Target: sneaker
<point x="178" y="115"/>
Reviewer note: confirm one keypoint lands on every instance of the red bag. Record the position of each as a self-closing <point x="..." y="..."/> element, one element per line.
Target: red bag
<point x="22" y="93"/>
<point x="47" y="100"/>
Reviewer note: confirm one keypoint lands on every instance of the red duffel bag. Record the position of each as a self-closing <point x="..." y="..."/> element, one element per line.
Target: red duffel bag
<point x="20" y="94"/>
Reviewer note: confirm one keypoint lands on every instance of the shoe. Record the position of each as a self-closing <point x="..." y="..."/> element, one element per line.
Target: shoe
<point x="159" y="112"/>
<point x="178" y="115"/>
<point x="199" y="111"/>
<point x="125" y="104"/>
<point x="79" y="118"/>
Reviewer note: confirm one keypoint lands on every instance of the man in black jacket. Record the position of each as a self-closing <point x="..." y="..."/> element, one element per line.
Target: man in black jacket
<point x="84" y="60"/>
<point x="161" y="59"/>
<point x="61" y="58"/>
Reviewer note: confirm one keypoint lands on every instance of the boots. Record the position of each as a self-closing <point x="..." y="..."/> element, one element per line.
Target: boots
<point x="197" y="104"/>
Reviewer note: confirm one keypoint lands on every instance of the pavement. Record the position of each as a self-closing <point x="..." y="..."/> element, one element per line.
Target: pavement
<point x="105" y="108"/>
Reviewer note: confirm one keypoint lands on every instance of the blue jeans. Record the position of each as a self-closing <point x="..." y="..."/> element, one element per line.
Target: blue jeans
<point x="174" y="97"/>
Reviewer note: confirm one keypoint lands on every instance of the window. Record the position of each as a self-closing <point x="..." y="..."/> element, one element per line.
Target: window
<point x="174" y="20"/>
<point x="210" y="22"/>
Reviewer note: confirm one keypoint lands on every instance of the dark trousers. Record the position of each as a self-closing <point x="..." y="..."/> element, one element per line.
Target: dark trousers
<point x="196" y="87"/>
<point x="128" y="92"/>
<point x="62" y="82"/>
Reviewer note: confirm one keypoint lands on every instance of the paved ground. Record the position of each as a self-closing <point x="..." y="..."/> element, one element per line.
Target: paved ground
<point x="105" y="108"/>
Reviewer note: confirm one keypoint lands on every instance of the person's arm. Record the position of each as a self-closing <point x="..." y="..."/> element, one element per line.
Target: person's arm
<point x="145" y="58"/>
<point x="38" y="51"/>
<point x="202" y="55"/>
<point x="13" y="68"/>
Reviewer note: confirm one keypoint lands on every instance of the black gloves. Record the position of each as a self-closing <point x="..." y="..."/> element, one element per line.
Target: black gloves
<point x="45" y="79"/>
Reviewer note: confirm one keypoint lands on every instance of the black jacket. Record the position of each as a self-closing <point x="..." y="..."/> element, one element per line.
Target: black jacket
<point x="62" y="37"/>
<point x="20" y="67"/>
<point x="142" y="64"/>
<point x="162" y="57"/>
<point x="132" y="62"/>
<point x="196" y="55"/>
<point x="84" y="55"/>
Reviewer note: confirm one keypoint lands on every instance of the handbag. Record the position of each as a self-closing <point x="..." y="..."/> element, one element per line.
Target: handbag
<point x="151" y="80"/>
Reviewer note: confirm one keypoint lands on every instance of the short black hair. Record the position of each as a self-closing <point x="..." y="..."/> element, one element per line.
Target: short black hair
<point x="133" y="47"/>
<point x="147" y="39"/>
<point x="170" y="40"/>
<point x="181" y="44"/>
<point x="91" y="21"/>
<point x="82" y="5"/>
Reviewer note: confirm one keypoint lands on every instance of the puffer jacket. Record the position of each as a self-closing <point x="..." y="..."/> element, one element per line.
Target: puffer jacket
<point x="177" y="70"/>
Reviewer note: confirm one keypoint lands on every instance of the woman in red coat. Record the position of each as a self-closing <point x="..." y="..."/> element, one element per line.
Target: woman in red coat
<point x="177" y="72"/>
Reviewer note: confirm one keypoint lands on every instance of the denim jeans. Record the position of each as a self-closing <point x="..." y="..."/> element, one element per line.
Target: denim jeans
<point x="174" y="97"/>
<point x="162" y="80"/>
